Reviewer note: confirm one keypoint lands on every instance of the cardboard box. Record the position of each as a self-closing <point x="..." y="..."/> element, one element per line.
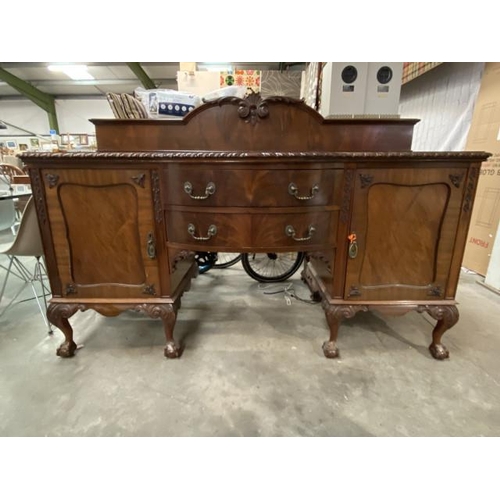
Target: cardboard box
<point x="484" y="135"/>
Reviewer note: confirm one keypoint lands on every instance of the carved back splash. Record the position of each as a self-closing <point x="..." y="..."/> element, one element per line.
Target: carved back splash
<point x="255" y="124"/>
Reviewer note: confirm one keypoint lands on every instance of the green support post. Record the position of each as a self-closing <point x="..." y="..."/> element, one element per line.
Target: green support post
<point x="142" y="75"/>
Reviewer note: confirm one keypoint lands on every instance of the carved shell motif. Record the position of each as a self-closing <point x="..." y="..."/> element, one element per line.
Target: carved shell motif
<point x="254" y="107"/>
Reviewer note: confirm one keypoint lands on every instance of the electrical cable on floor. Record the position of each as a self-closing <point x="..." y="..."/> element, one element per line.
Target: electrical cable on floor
<point x="289" y="293"/>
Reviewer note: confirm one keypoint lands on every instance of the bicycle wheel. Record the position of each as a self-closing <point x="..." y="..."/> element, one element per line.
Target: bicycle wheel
<point x="271" y="267"/>
<point x="227" y="260"/>
<point x="205" y="261"/>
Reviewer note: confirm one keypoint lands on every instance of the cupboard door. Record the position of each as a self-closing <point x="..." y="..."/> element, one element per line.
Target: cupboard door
<point x="404" y="222"/>
<point x="102" y="222"/>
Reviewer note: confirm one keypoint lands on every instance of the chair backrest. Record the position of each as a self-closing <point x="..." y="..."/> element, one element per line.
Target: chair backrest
<point x="7" y="170"/>
<point x="7" y="213"/>
<point x="28" y="240"/>
<point x="5" y="181"/>
<point x="7" y="207"/>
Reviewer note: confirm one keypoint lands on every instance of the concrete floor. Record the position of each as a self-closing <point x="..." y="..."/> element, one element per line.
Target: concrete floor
<point x="252" y="366"/>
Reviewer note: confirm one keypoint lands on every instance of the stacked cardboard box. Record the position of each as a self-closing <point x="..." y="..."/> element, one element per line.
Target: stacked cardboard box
<point x="484" y="135"/>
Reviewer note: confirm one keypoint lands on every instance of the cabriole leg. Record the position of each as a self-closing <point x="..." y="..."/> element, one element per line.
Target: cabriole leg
<point x="330" y="349"/>
<point x="447" y="317"/>
<point x="58" y="315"/>
<point x="172" y="350"/>
<point x="168" y="314"/>
<point x="334" y="315"/>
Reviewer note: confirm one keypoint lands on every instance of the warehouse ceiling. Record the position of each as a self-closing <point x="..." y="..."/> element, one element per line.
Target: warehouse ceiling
<point x="118" y="77"/>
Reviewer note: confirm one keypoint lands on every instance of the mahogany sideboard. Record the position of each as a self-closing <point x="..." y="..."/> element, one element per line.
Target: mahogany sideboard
<point x="383" y="227"/>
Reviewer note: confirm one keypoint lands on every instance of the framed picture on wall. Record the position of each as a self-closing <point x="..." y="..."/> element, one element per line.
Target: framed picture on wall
<point x="23" y="147"/>
<point x="12" y="144"/>
<point x="35" y="143"/>
<point x="66" y="139"/>
<point x="75" y="139"/>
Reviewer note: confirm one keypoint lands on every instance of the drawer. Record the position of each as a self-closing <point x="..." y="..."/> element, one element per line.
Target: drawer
<point x="209" y="230"/>
<point x="296" y="188"/>
<point x="221" y="187"/>
<point x="295" y="229"/>
<point x="239" y="231"/>
<point x="207" y="187"/>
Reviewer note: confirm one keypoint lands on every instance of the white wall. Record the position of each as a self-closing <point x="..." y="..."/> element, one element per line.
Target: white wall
<point x="24" y="114"/>
<point x="443" y="99"/>
<point x="493" y="274"/>
<point x="72" y="114"/>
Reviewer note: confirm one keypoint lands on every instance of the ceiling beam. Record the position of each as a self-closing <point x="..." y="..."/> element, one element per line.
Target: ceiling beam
<point x="142" y="75"/>
<point x="20" y="65"/>
<point x="74" y="83"/>
<point x="41" y="99"/>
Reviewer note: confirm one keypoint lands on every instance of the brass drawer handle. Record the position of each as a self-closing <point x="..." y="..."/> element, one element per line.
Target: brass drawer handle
<point x="212" y="231"/>
<point x="209" y="190"/>
<point x="294" y="191"/>
<point x="290" y="231"/>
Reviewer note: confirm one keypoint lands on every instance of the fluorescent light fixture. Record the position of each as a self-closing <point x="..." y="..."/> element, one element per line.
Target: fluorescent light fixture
<point x="215" y="66"/>
<point x="74" y="71"/>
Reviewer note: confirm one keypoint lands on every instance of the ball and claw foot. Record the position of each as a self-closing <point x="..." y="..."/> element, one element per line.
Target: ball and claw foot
<point x="439" y="351"/>
<point x="172" y="351"/>
<point x="330" y="349"/>
<point x="66" y="349"/>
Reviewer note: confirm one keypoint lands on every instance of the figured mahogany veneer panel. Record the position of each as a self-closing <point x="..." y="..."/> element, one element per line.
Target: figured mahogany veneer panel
<point x="405" y="222"/>
<point x="101" y="221"/>
<point x="392" y="251"/>
<point x="112" y="214"/>
<point x="257" y="187"/>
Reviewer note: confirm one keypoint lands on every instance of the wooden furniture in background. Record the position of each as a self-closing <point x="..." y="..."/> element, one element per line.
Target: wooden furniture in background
<point x="384" y="228"/>
<point x="10" y="171"/>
